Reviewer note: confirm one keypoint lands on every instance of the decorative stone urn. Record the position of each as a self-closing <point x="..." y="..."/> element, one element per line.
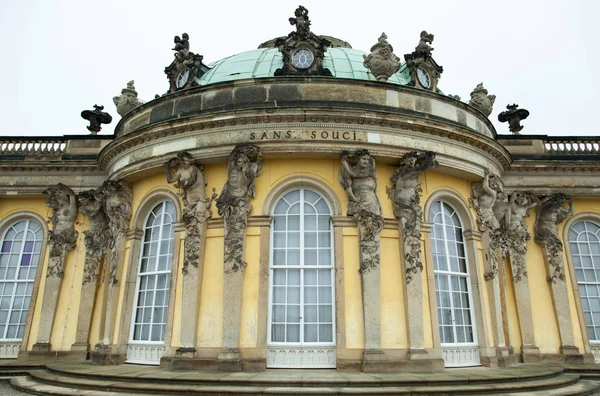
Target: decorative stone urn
<point x="381" y="61"/>
<point x="128" y="99"/>
<point x="481" y="100"/>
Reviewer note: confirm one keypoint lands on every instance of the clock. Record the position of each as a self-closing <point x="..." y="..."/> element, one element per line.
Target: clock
<point x="302" y="58"/>
<point x="423" y="77"/>
<point x="183" y="78"/>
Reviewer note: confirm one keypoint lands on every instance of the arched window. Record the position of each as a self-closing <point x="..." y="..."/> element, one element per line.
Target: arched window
<point x="452" y="285"/>
<point x="19" y="259"/>
<point x="584" y="241"/>
<point x="301" y="310"/>
<point x="152" y="287"/>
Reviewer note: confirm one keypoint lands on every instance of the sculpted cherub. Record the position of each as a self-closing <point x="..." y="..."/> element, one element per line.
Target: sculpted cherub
<point x="301" y="20"/>
<point x="182" y="43"/>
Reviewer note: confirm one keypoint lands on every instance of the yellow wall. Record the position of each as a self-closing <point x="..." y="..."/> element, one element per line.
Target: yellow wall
<point x="393" y="317"/>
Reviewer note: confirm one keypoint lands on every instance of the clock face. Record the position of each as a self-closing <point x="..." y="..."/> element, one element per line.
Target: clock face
<point x="424" y="78"/>
<point x="183" y="78"/>
<point x="302" y="58"/>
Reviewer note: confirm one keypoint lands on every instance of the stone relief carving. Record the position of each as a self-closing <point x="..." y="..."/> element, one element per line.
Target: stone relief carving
<point x="128" y="100"/>
<point x="382" y="61"/>
<point x="117" y="206"/>
<point x="63" y="236"/>
<point x="189" y="177"/>
<point x="514" y="116"/>
<point x="481" y="100"/>
<point x="550" y="213"/>
<point x="490" y="204"/>
<point x="245" y="164"/>
<point x="97" y="236"/>
<point x="358" y="177"/>
<point x="405" y="194"/>
<point x="516" y="230"/>
<point x="96" y="117"/>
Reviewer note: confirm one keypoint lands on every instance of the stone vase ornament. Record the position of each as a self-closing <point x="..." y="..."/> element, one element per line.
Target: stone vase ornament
<point x="128" y="100"/>
<point x="481" y="100"/>
<point x="382" y="62"/>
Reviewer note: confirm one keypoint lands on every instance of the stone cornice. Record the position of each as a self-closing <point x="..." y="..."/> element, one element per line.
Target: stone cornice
<point x="378" y="122"/>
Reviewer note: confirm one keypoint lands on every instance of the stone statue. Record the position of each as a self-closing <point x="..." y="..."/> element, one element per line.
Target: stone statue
<point x="301" y="21"/>
<point x="550" y="213"/>
<point x="97" y="236"/>
<point x="182" y="44"/>
<point x="423" y="46"/>
<point x="382" y="62"/>
<point x="189" y="177"/>
<point x="117" y="206"/>
<point x="405" y="194"/>
<point x="457" y="97"/>
<point x="484" y="198"/>
<point x="516" y="230"/>
<point x="245" y="164"/>
<point x="96" y="117"/>
<point x="490" y="204"/>
<point x="63" y="236"/>
<point x="481" y="100"/>
<point x="514" y="116"/>
<point x="358" y="177"/>
<point x="128" y="99"/>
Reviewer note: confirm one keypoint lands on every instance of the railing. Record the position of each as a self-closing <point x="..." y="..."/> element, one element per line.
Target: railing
<point x="573" y="145"/>
<point x="33" y="146"/>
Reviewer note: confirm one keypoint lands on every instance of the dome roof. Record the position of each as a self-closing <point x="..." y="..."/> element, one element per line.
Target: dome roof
<point x="262" y="62"/>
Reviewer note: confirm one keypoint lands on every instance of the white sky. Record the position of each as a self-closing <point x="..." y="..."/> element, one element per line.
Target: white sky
<point x="61" y="57"/>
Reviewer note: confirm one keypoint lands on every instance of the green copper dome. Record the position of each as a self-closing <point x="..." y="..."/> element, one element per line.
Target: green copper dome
<point x="262" y="62"/>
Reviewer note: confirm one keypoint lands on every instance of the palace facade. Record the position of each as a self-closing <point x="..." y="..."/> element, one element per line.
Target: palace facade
<point x="304" y="204"/>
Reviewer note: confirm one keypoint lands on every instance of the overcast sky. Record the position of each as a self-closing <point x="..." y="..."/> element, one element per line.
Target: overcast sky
<point x="61" y="57"/>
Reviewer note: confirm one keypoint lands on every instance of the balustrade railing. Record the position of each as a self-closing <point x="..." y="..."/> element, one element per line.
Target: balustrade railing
<point x="33" y="146"/>
<point x="575" y="145"/>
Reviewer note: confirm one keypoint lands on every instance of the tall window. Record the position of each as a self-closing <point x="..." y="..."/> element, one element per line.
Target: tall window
<point x="455" y="313"/>
<point x="301" y="309"/>
<point x="584" y="241"/>
<point x="154" y="276"/>
<point x="19" y="258"/>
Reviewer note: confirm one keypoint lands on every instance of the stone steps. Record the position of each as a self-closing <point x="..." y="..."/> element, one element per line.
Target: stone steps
<point x="45" y="382"/>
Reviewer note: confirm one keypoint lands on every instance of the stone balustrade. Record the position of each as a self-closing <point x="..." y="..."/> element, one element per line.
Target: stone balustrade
<point x="33" y="146"/>
<point x="577" y="145"/>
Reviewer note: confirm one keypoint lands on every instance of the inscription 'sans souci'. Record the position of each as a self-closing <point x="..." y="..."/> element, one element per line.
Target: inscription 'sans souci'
<point x="306" y="135"/>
